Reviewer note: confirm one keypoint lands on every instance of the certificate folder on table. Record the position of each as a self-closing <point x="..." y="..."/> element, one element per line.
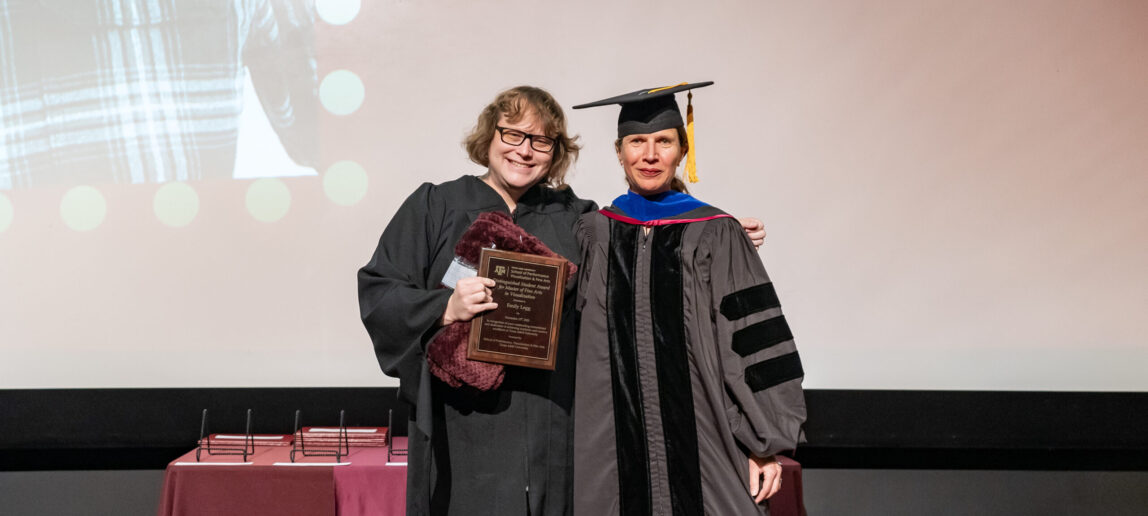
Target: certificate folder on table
<point x="220" y="440"/>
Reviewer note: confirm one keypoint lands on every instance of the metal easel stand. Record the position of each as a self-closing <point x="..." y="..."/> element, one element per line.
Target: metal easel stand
<point x="299" y="445"/>
<point x="205" y="442"/>
<point x="391" y="451"/>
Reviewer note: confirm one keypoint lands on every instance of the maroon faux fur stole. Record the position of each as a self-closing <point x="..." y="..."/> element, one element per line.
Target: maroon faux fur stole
<point x="446" y="354"/>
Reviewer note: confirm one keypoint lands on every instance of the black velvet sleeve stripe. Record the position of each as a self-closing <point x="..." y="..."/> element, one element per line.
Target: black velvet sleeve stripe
<point x="762" y="335"/>
<point x="763" y="375"/>
<point x="749" y="301"/>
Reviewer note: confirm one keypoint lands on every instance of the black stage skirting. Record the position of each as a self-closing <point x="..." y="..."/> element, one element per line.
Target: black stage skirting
<point x="93" y="429"/>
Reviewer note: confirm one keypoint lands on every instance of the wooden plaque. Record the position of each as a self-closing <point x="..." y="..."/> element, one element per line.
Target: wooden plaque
<point x="523" y="330"/>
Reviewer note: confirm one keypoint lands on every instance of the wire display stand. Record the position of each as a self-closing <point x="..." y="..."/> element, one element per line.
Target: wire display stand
<point x="205" y="442"/>
<point x="299" y="445"/>
<point x="391" y="451"/>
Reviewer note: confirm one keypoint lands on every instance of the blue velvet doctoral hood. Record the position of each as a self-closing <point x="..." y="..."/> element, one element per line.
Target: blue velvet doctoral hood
<point x="658" y="206"/>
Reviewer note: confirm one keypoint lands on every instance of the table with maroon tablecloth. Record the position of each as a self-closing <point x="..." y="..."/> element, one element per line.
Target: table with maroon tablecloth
<point x="268" y="483"/>
<point x="362" y="484"/>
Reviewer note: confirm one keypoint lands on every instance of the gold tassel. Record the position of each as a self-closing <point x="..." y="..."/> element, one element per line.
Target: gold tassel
<point x="691" y="163"/>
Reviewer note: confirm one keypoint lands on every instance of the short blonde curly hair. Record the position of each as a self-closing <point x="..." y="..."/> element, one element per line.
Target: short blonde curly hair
<point x="514" y="104"/>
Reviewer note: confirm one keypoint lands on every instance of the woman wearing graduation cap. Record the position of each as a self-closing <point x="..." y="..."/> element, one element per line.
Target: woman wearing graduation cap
<point x="688" y="381"/>
<point x="480" y="442"/>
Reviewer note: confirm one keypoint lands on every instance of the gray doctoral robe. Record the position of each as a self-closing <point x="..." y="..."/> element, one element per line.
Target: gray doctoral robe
<point x="685" y="367"/>
<point x="470" y="452"/>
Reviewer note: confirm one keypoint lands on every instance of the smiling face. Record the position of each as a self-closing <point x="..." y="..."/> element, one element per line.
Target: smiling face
<point x="650" y="160"/>
<point x="516" y="168"/>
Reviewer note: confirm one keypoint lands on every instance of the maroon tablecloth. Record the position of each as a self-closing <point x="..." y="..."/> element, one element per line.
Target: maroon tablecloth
<point x="369" y="486"/>
<point x="366" y="486"/>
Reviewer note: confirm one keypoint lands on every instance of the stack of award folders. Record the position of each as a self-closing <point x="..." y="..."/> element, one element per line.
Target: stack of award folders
<point x="314" y="441"/>
<point x="363" y="436"/>
<point x="322" y="441"/>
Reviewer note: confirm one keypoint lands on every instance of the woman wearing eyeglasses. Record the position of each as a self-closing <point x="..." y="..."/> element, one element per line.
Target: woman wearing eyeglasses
<point x="505" y="450"/>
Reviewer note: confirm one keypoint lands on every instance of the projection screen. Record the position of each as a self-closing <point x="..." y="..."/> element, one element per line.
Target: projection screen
<point x="955" y="192"/>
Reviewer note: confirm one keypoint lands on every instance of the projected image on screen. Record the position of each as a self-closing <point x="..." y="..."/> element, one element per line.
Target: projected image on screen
<point x="150" y="91"/>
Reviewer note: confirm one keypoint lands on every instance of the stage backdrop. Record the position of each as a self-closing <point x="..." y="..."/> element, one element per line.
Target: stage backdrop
<point x="956" y="192"/>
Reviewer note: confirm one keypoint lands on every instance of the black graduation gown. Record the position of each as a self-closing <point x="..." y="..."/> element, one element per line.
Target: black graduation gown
<point x="685" y="367"/>
<point x="472" y="453"/>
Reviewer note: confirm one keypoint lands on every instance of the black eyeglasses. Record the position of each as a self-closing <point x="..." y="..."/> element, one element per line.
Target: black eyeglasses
<point x="515" y="137"/>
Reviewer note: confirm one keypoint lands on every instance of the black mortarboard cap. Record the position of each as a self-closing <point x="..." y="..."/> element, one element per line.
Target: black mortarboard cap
<point x="652" y="110"/>
<point x="648" y="111"/>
